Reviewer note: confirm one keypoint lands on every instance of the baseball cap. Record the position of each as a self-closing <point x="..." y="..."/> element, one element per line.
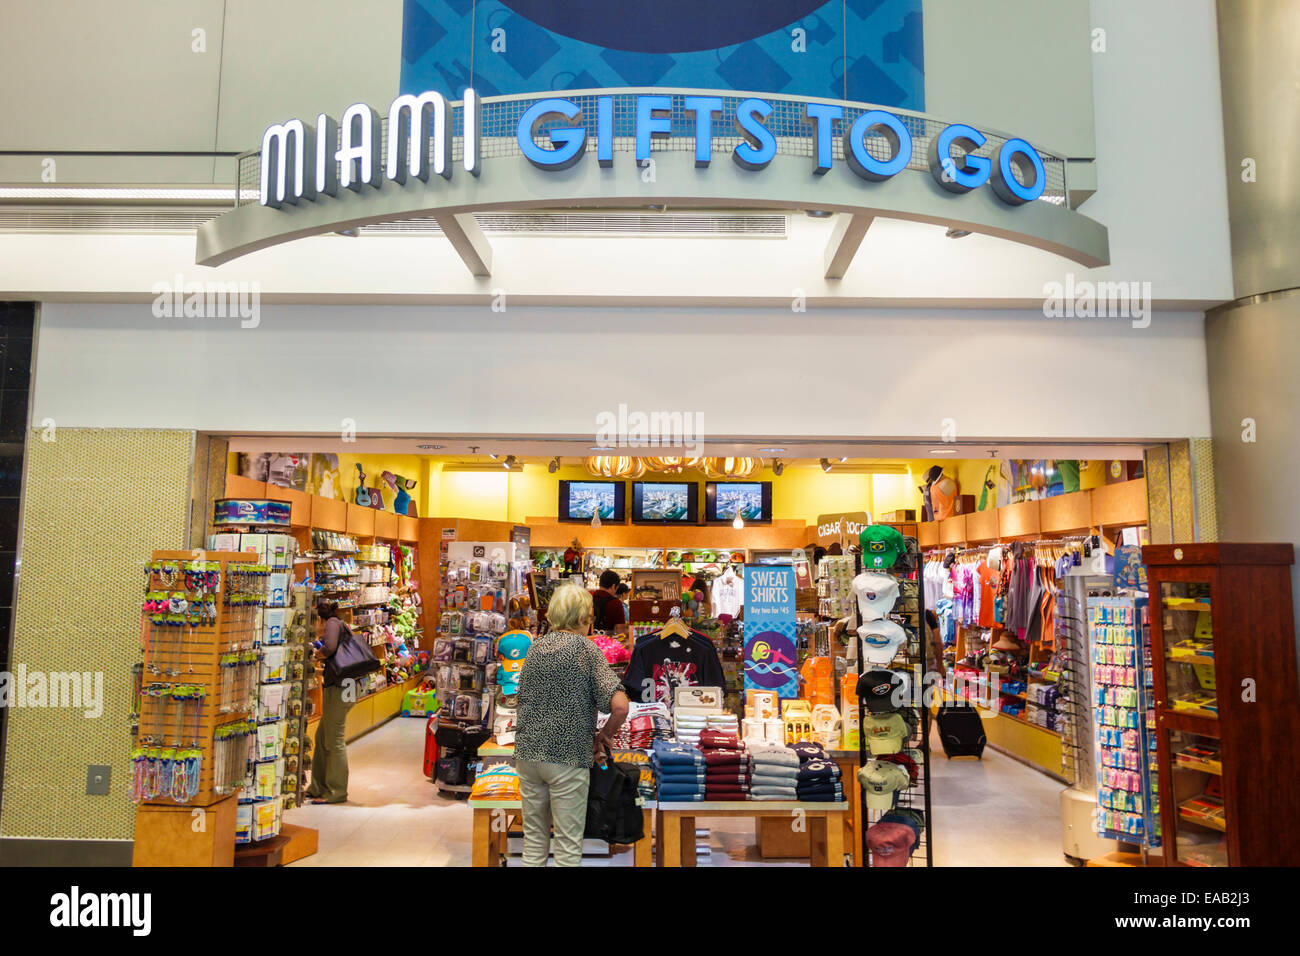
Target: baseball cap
<point x="909" y="817"/>
<point x="880" y="782"/>
<point x="881" y="546"/>
<point x="890" y="843"/>
<point x="513" y="645"/>
<point x="876" y="593"/>
<point x="881" y="641"/>
<point x="876" y="690"/>
<point x="904" y="761"/>
<point x="885" y="733"/>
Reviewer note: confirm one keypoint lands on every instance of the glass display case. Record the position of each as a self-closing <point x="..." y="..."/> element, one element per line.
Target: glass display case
<point x="1227" y="703"/>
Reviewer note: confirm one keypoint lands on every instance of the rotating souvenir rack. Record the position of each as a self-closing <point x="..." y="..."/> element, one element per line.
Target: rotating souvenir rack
<point x="197" y="679"/>
<point x="1128" y="806"/>
<point x="911" y="659"/>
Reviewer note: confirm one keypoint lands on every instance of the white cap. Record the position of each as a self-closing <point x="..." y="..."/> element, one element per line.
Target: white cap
<point x="876" y="594"/>
<point x="881" y="641"/>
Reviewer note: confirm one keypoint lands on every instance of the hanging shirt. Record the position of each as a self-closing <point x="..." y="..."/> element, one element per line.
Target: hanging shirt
<point x="659" y="665"/>
<point x="987" y="591"/>
<point x="728" y="595"/>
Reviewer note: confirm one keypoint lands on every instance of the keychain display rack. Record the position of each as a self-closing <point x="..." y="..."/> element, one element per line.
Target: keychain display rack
<point x="195" y="685"/>
<point x="908" y="611"/>
<point x="1127" y="804"/>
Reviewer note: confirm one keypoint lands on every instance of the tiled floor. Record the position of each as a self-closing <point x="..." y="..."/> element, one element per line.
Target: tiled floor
<point x="994" y="812"/>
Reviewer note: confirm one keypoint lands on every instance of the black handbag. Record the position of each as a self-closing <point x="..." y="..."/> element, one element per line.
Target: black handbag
<point x="351" y="660"/>
<point x="612" y="811"/>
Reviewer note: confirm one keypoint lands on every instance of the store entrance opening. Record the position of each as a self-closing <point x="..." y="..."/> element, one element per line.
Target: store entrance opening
<point x="920" y="620"/>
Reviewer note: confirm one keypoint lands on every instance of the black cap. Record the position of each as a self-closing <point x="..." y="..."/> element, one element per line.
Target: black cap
<point x="876" y="690"/>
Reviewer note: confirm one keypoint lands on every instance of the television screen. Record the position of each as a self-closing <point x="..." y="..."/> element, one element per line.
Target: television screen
<point x="584" y="500"/>
<point x="752" y="500"/>
<point x="665" y="501"/>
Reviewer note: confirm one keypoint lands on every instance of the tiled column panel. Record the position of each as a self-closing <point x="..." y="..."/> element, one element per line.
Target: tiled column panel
<point x="97" y="503"/>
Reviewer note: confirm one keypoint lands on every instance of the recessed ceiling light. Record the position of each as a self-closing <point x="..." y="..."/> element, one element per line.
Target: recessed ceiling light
<point x="603" y="451"/>
<point x="818" y="213"/>
<point x="955" y="233"/>
<point x="433" y="447"/>
<point x="943" y="451"/>
<point x="771" y="451"/>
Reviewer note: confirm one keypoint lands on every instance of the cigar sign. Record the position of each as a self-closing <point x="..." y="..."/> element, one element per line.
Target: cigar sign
<point x="841" y="528"/>
<point x="301" y="163"/>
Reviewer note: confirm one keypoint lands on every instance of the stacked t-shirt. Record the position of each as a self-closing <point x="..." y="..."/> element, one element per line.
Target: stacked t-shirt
<point x="727" y="769"/>
<point x="819" y="780"/>
<point x="645" y="724"/>
<point x="688" y="726"/>
<point x="775" y="773"/>
<point x="680" y="771"/>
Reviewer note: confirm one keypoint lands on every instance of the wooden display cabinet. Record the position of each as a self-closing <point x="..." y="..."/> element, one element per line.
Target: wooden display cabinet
<point x="1227" y="703"/>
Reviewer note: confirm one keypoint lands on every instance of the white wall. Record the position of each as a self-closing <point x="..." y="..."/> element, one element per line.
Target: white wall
<point x="1019" y="66"/>
<point x="887" y="373"/>
<point x="1162" y="186"/>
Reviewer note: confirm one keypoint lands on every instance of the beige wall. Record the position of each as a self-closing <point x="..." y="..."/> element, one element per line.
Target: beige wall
<point x="1254" y="352"/>
<point x="98" y="502"/>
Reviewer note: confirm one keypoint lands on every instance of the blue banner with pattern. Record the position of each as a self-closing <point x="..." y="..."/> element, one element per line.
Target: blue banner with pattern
<point x="771" y="658"/>
<point x="868" y="51"/>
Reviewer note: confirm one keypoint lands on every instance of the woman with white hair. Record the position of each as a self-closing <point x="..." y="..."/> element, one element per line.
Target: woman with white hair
<point x="564" y="682"/>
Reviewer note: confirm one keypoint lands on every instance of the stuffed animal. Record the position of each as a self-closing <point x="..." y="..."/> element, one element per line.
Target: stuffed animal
<point x="400" y="487"/>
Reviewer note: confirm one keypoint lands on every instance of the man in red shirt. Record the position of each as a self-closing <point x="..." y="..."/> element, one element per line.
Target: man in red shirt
<point x="607" y="609"/>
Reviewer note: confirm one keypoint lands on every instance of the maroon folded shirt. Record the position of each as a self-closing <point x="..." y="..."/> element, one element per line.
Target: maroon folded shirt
<point x="719" y="740"/>
<point x="730" y="793"/>
<point x="716" y="777"/>
<point x="726" y="758"/>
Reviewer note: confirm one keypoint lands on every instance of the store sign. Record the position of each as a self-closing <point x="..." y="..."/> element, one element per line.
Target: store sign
<point x="301" y="164"/>
<point x="841" y="528"/>
<point x="770" y="655"/>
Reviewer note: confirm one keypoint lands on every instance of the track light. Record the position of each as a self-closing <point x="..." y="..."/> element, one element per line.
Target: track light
<point x="826" y="464"/>
<point x="509" y="462"/>
<point x="554" y="466"/>
<point x="778" y="467"/>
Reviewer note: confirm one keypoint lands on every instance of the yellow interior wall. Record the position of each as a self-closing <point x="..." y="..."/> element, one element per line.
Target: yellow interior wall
<point x="475" y="494"/>
<point x="802" y="492"/>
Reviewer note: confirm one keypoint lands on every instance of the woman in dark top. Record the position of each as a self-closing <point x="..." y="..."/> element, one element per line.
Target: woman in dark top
<point x="329" y="763"/>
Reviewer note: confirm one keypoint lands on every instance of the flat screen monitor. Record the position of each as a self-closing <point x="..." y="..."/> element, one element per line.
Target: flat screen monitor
<point x="665" y="502"/>
<point x="583" y="500"/>
<point x="751" y="499"/>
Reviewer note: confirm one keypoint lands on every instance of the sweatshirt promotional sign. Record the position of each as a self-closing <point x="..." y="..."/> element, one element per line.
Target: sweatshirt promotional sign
<point x="770" y="655"/>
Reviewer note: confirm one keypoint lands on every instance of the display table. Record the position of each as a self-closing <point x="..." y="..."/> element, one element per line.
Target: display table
<point x="675" y="833"/>
<point x="849" y="761"/>
<point x="493" y="819"/>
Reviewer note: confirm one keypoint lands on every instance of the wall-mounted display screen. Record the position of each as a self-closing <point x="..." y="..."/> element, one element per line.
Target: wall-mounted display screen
<point x="584" y="500"/>
<point x="665" y="501"/>
<point x="752" y="500"/>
